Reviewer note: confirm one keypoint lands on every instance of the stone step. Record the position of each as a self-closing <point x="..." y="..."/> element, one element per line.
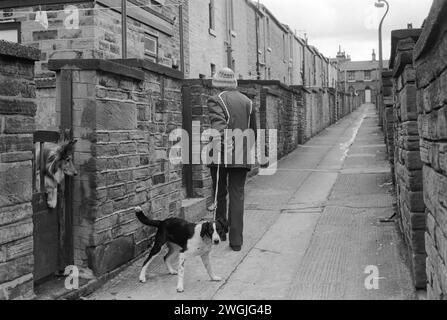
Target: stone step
<point x="194" y="210"/>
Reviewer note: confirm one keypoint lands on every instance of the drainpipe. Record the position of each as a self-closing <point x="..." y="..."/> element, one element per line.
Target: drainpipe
<point x="229" y="40"/>
<point x="182" y="43"/>
<point x="258" y="69"/>
<point x="124" y="28"/>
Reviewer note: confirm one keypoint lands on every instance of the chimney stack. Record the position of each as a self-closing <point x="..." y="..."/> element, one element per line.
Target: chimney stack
<point x="374" y="55"/>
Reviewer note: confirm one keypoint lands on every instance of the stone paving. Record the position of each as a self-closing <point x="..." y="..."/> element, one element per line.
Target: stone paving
<point x="312" y="230"/>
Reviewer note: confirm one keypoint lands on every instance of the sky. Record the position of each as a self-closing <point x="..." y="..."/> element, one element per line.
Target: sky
<point x="353" y="24"/>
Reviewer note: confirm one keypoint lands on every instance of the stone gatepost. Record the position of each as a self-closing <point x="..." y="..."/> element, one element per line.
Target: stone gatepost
<point x="17" y="113"/>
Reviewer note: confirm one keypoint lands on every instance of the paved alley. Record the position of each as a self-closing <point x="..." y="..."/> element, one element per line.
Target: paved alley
<point x="311" y="231"/>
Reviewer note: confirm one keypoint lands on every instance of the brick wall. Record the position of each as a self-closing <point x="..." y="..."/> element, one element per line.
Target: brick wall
<point x="408" y="165"/>
<point x="122" y="114"/>
<point x="431" y="73"/>
<point x="17" y="111"/>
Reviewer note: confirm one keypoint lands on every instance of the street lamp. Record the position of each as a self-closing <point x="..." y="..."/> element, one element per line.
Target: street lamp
<point x="381" y="4"/>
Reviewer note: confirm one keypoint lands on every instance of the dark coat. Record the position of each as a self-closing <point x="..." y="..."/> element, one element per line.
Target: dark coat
<point x="232" y="110"/>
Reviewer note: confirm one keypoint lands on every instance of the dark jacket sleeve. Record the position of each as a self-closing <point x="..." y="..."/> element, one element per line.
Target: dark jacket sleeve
<point x="217" y="116"/>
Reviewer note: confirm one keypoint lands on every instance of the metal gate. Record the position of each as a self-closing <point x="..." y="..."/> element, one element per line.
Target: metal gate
<point x="52" y="227"/>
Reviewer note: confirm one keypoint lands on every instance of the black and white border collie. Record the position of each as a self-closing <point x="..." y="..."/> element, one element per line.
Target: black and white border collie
<point x="189" y="239"/>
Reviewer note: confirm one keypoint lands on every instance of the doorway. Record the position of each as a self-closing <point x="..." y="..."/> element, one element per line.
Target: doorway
<point x="368" y="96"/>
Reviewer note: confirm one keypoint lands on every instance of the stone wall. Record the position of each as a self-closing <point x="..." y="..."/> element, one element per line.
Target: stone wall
<point x="17" y="112"/>
<point x="388" y="116"/>
<point x="123" y="112"/>
<point x="323" y="108"/>
<point x="431" y="73"/>
<point x="297" y="113"/>
<point x="408" y="165"/>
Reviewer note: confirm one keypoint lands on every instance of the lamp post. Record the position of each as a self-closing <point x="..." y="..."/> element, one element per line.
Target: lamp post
<point x="381" y="4"/>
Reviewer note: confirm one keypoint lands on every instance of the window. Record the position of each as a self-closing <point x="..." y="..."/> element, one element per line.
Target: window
<point x="151" y="48"/>
<point x="212" y="21"/>
<point x="367" y="75"/>
<point x="213" y="70"/>
<point x="351" y="76"/>
<point x="10" y="32"/>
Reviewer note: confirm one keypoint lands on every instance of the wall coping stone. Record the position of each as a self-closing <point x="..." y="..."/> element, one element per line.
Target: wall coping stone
<point x="403" y="59"/>
<point x="19" y="51"/>
<point x="97" y="64"/>
<point x="151" y="66"/>
<point x="432" y="26"/>
<point x="400" y="34"/>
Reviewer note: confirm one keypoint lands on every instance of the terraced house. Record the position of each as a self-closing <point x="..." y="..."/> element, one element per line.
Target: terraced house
<point x="247" y="37"/>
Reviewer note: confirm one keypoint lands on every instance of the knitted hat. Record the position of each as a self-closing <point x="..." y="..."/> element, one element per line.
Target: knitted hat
<point x="225" y="78"/>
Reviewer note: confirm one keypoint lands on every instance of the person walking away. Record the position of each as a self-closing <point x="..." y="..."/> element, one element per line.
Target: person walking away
<point x="231" y="110"/>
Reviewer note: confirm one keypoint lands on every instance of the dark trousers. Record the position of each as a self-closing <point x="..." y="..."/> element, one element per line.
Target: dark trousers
<point x="232" y="182"/>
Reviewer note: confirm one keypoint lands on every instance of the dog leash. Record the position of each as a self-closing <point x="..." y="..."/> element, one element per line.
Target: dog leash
<point x="217" y="189"/>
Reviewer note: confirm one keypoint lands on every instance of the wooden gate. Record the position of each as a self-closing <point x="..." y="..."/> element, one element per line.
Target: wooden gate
<point x="52" y="227"/>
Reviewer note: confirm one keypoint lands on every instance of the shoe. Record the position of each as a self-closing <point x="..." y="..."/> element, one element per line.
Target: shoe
<point x="236" y="248"/>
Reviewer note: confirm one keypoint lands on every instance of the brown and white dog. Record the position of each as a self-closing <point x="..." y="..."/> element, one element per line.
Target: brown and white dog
<point x="58" y="164"/>
<point x="188" y="238"/>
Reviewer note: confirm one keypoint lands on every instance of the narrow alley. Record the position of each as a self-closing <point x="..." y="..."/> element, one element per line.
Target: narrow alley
<point x="312" y="231"/>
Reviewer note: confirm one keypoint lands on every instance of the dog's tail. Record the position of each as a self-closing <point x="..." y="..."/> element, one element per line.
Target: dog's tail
<point x="145" y="220"/>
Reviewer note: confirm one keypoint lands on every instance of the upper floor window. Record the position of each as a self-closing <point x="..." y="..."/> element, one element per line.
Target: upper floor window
<point x="213" y="69"/>
<point x="212" y="21"/>
<point x="151" y="47"/>
<point x="351" y="76"/>
<point x="367" y="75"/>
<point x="10" y="31"/>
